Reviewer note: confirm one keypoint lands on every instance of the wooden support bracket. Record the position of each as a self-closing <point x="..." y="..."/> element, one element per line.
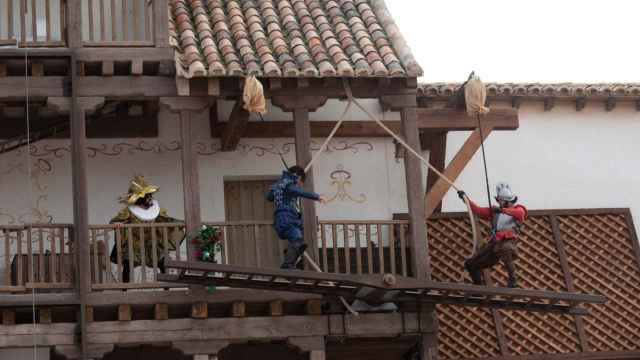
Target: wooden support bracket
<point x="238" y="309"/>
<point x="235" y="127"/>
<point x="435" y="195"/>
<point x="199" y="310"/>
<point x="276" y="308"/>
<point x="124" y="312"/>
<point x="161" y="311"/>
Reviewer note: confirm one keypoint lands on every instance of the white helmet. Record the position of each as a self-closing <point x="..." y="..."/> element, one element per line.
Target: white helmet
<point x="504" y="193"/>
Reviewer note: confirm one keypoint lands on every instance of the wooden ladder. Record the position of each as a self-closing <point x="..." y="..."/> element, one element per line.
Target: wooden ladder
<point x="379" y="288"/>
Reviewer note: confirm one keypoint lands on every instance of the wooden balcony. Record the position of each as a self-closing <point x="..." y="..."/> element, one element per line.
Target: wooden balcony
<point x="99" y="23"/>
<point x="351" y="247"/>
<point x="37" y="257"/>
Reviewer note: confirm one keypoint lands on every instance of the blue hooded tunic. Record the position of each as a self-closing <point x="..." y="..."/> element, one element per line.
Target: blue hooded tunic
<point x="287" y="218"/>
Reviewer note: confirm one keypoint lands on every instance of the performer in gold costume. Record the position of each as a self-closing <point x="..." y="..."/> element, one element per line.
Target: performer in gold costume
<point x="141" y="207"/>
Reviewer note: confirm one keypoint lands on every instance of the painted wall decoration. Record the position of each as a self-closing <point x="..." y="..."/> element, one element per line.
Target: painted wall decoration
<point x="341" y="182"/>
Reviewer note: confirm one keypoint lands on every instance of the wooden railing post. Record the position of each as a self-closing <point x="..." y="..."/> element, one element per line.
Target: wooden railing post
<point x="161" y="23"/>
<point x="73" y="22"/>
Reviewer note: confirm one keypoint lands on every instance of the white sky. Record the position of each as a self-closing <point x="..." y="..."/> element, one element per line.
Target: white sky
<point x="523" y="40"/>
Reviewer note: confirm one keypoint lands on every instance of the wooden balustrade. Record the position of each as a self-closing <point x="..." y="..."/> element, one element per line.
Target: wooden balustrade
<point x="117" y="23"/>
<point x="365" y="247"/>
<point x="36" y="256"/>
<point x="351" y="247"/>
<point x="33" y="23"/>
<point x="118" y="263"/>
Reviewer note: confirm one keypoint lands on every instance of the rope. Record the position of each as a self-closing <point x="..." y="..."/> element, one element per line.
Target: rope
<point x="335" y="128"/>
<point x="351" y="99"/>
<point x="474" y="228"/>
<point x="484" y="160"/>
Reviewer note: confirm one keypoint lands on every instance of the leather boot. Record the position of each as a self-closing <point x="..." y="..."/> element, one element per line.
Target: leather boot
<point x="512" y="282"/>
<point x="476" y="277"/>
<point x="290" y="257"/>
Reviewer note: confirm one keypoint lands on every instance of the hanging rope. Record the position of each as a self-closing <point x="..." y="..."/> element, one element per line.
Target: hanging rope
<point x="484" y="161"/>
<point x="335" y="128"/>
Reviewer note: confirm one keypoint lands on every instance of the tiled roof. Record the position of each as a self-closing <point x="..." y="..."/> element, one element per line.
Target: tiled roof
<point x="535" y="90"/>
<point x="288" y="38"/>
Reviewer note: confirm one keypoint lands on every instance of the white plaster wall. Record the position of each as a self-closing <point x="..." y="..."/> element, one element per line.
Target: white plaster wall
<point x="561" y="159"/>
<point x="375" y="190"/>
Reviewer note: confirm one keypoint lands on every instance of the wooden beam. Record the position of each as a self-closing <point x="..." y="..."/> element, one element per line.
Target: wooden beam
<point x="437" y="158"/>
<point x="122" y="54"/>
<point x="303" y="157"/>
<point x="453" y="170"/>
<point x="285" y="129"/>
<point x="190" y="182"/>
<point x="413" y="175"/>
<point x="124" y="86"/>
<point x="175" y="297"/>
<point x="44" y="86"/>
<point x="458" y="120"/>
<point x="235" y="127"/>
<point x="568" y="278"/>
<point x="234" y="329"/>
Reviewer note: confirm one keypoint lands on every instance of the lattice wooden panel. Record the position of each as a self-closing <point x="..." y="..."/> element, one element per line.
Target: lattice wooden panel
<point x="466" y="333"/>
<point x="602" y="260"/>
<point x="529" y="333"/>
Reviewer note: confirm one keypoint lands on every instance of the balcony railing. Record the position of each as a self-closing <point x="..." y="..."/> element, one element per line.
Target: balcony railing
<point x="351" y="247"/>
<point x="33" y="23"/>
<point x="36" y="256"/>
<point x="40" y="256"/>
<point x="117" y="23"/>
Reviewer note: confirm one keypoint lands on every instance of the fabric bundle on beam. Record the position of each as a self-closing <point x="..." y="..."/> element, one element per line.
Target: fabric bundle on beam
<point x="475" y="96"/>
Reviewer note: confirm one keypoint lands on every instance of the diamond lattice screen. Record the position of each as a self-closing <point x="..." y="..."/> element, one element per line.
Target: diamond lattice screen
<point x="601" y="258"/>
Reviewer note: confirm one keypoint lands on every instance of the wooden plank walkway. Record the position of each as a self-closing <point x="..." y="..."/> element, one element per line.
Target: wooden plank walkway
<point x="379" y="288"/>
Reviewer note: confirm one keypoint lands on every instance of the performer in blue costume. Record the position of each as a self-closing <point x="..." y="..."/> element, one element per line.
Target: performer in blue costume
<point x="287" y="217"/>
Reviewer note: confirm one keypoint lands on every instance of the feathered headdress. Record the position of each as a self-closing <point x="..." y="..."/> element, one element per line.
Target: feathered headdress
<point x="138" y="188"/>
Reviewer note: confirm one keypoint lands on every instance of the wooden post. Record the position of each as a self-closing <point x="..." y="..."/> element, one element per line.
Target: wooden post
<point x="190" y="184"/>
<point x="300" y="106"/>
<point x="186" y="107"/>
<point x="74" y="29"/>
<point x="437" y="157"/>
<point x="161" y="23"/>
<point x="413" y="173"/>
<point x="455" y="167"/>
<point x="303" y="157"/>
<point x="80" y="107"/>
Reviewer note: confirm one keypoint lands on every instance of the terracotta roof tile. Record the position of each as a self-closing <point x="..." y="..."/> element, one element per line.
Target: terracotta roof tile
<point x="536" y="90"/>
<point x="288" y="38"/>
